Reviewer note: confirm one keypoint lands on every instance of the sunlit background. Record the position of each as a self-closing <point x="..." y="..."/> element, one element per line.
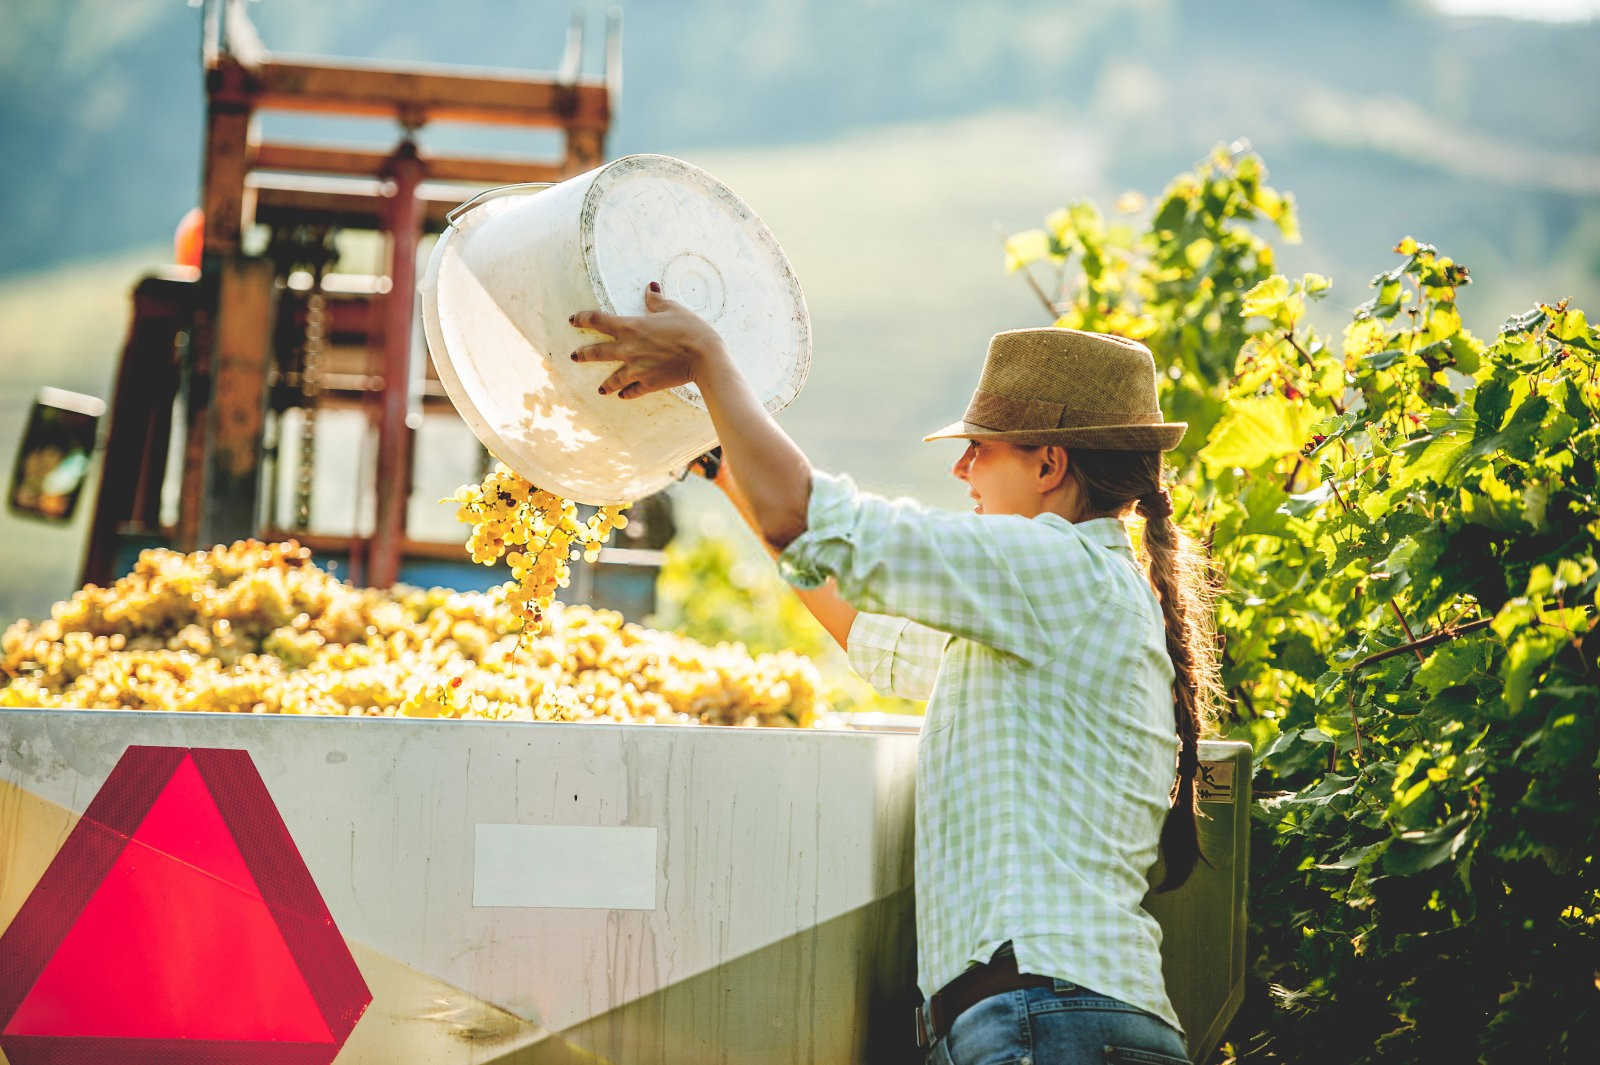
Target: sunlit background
<point x="889" y="144"/>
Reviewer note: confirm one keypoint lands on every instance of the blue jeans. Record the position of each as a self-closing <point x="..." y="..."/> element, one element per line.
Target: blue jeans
<point x="1062" y="1024"/>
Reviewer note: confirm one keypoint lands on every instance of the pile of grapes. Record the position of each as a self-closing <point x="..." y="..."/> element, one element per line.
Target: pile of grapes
<point x="257" y="628"/>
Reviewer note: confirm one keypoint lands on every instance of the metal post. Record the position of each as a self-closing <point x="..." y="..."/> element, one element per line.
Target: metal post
<point x="241" y="358"/>
<point x="403" y="219"/>
<point x="230" y="102"/>
<point x="141" y="414"/>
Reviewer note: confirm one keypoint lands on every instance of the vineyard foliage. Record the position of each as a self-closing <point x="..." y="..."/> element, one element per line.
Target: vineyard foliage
<point x="1405" y="519"/>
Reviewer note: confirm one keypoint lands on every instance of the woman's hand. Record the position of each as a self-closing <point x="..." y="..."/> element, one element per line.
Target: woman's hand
<point x="665" y="347"/>
<point x="669" y="346"/>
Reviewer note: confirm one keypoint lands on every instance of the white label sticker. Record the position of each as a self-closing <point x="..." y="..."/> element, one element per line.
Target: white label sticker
<point x="567" y="866"/>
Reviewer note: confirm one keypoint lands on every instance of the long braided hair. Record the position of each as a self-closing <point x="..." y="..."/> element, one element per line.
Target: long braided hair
<point x="1181" y="574"/>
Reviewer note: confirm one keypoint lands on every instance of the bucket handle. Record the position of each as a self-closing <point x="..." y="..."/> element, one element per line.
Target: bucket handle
<point x="490" y="194"/>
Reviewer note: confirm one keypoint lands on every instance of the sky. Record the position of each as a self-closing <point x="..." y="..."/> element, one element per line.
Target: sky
<point x="1551" y="10"/>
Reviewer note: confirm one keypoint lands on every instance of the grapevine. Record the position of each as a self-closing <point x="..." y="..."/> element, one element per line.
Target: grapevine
<point x="1406" y="516"/>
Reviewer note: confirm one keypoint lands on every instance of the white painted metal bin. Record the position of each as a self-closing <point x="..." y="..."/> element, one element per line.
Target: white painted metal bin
<point x="552" y="893"/>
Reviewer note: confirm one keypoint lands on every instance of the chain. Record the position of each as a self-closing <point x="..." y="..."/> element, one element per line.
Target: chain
<point x="313" y="249"/>
<point x="310" y="385"/>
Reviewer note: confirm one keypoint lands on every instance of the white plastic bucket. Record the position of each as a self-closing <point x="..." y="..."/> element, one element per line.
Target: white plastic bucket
<point x="515" y="262"/>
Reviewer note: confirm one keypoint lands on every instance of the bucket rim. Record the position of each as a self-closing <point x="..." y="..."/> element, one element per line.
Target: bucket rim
<point x="480" y="209"/>
<point x="624" y="166"/>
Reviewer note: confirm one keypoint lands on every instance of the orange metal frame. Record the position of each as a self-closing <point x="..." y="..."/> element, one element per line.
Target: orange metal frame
<point x="229" y="309"/>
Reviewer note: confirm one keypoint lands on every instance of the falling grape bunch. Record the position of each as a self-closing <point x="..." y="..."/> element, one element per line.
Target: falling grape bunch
<point x="538" y="534"/>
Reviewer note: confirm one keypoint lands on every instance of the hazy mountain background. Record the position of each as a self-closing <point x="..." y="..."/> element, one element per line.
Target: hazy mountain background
<point x="885" y="142"/>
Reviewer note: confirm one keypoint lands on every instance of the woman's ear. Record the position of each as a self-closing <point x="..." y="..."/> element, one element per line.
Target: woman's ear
<point x="1052" y="467"/>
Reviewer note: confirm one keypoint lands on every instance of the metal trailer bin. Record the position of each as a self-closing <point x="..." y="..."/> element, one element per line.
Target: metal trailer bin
<point x="504" y="892"/>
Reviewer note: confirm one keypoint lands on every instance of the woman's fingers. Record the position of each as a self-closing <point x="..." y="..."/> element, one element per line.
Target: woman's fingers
<point x="657" y="351"/>
<point x="613" y="325"/>
<point x="633" y="389"/>
<point x="626" y="382"/>
<point x="630" y="383"/>
<point x="619" y="325"/>
<point x="615" y="383"/>
<point x="655" y="302"/>
<point x="606" y="351"/>
<point x="637" y="368"/>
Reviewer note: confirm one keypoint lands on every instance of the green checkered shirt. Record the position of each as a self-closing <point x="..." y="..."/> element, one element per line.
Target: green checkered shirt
<point x="1048" y="752"/>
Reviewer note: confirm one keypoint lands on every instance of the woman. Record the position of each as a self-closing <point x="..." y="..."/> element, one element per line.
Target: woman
<point x="1062" y="678"/>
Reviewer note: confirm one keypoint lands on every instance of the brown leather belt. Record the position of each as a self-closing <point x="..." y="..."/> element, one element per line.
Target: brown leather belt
<point x="999" y="975"/>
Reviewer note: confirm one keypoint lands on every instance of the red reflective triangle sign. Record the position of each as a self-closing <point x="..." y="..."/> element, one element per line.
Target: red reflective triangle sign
<point x="178" y="923"/>
<point x="185" y="824"/>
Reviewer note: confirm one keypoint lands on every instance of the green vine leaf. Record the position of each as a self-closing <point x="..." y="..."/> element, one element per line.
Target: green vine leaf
<point x="1420" y="850"/>
<point x="1458" y="662"/>
<point x="1256" y="430"/>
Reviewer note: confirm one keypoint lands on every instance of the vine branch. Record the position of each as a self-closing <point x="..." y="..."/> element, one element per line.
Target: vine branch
<point x="1305" y="356"/>
<point x="1033" y="283"/>
<point x="1393" y="606"/>
<point x="1444" y="635"/>
<point x="1037" y="291"/>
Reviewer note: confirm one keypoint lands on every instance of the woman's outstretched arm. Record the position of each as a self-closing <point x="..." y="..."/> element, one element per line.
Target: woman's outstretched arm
<point x="888" y="557"/>
<point x="826" y="605"/>
<point x="669" y="346"/>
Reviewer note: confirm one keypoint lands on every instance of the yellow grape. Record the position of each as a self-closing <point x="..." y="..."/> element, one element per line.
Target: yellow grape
<point x="257" y="628"/>
<point x="535" y="531"/>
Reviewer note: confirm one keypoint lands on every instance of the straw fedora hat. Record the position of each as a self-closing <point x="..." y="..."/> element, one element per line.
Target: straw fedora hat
<point x="1063" y="386"/>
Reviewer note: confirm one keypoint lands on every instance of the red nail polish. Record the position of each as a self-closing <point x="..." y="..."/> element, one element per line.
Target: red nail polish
<point x="602" y="390"/>
<point x="655" y="286"/>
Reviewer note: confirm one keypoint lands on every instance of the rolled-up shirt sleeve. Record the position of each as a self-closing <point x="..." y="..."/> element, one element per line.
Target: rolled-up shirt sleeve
<point x="955" y="573"/>
<point x="896" y="655"/>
